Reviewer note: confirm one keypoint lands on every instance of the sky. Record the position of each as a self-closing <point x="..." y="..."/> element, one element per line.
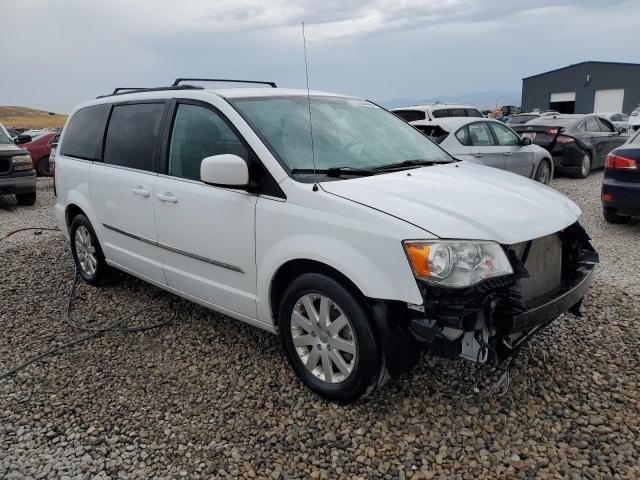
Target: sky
<point x="56" y="54"/>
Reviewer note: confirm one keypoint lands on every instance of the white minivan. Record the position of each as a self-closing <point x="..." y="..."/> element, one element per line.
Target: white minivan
<point x="322" y="218"/>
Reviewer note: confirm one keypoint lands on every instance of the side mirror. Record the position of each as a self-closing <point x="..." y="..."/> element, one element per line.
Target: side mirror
<point x="525" y="142"/>
<point x="22" y="139"/>
<point x="622" y="130"/>
<point x="225" y="171"/>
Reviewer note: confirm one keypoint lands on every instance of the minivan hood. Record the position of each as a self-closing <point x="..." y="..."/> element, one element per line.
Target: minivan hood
<point x="464" y="200"/>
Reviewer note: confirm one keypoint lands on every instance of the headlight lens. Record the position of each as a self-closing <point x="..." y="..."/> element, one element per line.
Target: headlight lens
<point x="22" y="162"/>
<point x="456" y="263"/>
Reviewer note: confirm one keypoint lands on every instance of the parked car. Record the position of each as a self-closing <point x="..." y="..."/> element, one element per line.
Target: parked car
<point x="17" y="176"/>
<point x="619" y="120"/>
<point x="521" y="118"/>
<point x="431" y="112"/>
<point x="494" y="144"/>
<point x="578" y="143"/>
<point x="40" y="149"/>
<point x="634" y="120"/>
<point x="359" y="249"/>
<point x="621" y="182"/>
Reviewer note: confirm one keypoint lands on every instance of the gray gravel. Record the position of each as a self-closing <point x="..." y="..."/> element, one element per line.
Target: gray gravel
<point x="209" y="397"/>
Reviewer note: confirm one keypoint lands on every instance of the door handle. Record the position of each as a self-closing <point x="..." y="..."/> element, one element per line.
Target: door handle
<point x="140" y="191"/>
<point x="507" y="153"/>
<point x="478" y="155"/>
<point x="167" y="197"/>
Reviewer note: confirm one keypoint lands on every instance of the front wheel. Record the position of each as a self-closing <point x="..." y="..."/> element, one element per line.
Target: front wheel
<point x="26" y="198"/>
<point x="543" y="173"/>
<point x="328" y="338"/>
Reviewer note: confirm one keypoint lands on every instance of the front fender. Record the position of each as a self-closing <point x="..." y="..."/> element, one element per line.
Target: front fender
<point x="381" y="275"/>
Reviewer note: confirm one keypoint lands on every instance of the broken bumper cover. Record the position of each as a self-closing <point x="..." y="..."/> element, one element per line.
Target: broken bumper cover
<point x="547" y="308"/>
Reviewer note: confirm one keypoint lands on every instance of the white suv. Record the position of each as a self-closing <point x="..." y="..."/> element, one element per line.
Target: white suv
<point x="360" y="248"/>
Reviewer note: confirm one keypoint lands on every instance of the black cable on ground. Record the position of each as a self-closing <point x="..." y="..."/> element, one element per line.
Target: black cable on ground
<point x="46" y="229"/>
<point x="117" y="326"/>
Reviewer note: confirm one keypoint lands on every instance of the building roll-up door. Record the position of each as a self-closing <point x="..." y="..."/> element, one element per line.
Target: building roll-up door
<point x="608" y="100"/>
<point x="563" y="102"/>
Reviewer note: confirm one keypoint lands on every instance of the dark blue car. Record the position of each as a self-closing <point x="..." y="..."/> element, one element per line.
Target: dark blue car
<point x="621" y="183"/>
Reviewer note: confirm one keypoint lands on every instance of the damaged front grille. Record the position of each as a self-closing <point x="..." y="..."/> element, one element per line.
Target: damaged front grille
<point x="542" y="259"/>
<point x="548" y="279"/>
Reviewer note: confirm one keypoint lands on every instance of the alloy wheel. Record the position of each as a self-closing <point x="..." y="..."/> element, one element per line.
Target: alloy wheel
<point x="323" y="338"/>
<point x="85" y="251"/>
<point x="544" y="173"/>
<point x="585" y="166"/>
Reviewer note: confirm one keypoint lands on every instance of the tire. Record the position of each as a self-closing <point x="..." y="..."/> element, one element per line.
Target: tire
<point x="543" y="172"/>
<point x="43" y="168"/>
<point x="86" y="251"/>
<point x="611" y="217"/>
<point x="347" y="363"/>
<point x="585" y="167"/>
<point x="26" y="199"/>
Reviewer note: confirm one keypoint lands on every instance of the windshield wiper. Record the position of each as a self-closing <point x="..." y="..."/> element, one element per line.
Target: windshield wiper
<point x="335" y="171"/>
<point x="407" y="163"/>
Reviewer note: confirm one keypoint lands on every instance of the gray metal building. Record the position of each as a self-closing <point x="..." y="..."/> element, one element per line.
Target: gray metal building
<point x="586" y="87"/>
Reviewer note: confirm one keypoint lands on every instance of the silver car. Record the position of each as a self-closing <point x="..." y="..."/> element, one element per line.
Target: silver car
<point x="492" y="143"/>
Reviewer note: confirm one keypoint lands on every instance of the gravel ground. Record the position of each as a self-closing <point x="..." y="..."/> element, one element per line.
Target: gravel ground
<point x="209" y="397"/>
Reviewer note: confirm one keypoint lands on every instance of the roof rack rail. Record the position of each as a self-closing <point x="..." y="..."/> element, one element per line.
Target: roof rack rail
<point x="222" y="80"/>
<point x="126" y="90"/>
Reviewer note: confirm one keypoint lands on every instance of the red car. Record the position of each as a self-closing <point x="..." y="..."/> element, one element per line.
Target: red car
<point x="39" y="148"/>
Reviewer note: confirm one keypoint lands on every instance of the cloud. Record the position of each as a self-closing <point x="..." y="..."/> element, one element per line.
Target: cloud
<point x="56" y="54"/>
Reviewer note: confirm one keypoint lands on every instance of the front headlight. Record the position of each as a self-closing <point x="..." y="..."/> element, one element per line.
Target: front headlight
<point x="456" y="263"/>
<point x="22" y="162"/>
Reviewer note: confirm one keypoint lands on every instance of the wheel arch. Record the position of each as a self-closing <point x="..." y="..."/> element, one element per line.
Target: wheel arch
<point x="296" y="267"/>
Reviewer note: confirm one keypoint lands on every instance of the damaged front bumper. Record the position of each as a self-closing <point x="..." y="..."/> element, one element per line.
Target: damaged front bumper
<point x="497" y="316"/>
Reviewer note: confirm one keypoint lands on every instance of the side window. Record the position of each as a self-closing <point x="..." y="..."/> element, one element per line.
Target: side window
<point x="591" y="125"/>
<point x="504" y="135"/>
<point x="472" y="112"/>
<point x="54" y="139"/>
<point x="440" y="113"/>
<point x="463" y="136"/>
<point x="83" y="134"/>
<point x="606" y="126"/>
<point x="457" y="112"/>
<point x="199" y="132"/>
<point x="133" y="135"/>
<point x="480" y="135"/>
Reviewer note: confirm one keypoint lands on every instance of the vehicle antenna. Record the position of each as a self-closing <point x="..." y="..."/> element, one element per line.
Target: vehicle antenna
<point x="306" y="71"/>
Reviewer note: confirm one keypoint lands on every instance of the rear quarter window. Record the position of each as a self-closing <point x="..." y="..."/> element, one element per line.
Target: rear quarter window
<point x="83" y="135"/>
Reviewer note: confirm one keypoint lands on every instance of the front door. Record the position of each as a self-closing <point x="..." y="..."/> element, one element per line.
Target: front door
<point x="517" y="159"/>
<point x="206" y="233"/>
<point x="122" y="188"/>
<point x="483" y="146"/>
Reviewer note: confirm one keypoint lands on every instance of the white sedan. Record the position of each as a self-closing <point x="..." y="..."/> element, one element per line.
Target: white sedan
<point x="491" y="143"/>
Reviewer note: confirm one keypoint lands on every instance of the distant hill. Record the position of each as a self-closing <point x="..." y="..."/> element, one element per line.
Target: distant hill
<point x="482" y="100"/>
<point x="23" y="117"/>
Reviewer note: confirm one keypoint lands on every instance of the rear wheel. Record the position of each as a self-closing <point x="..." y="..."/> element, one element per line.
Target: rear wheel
<point x="86" y="251"/>
<point x="43" y="167"/>
<point x="543" y="173"/>
<point x="26" y="198"/>
<point x="612" y="217"/>
<point x="585" y="166"/>
<point x="328" y="339"/>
